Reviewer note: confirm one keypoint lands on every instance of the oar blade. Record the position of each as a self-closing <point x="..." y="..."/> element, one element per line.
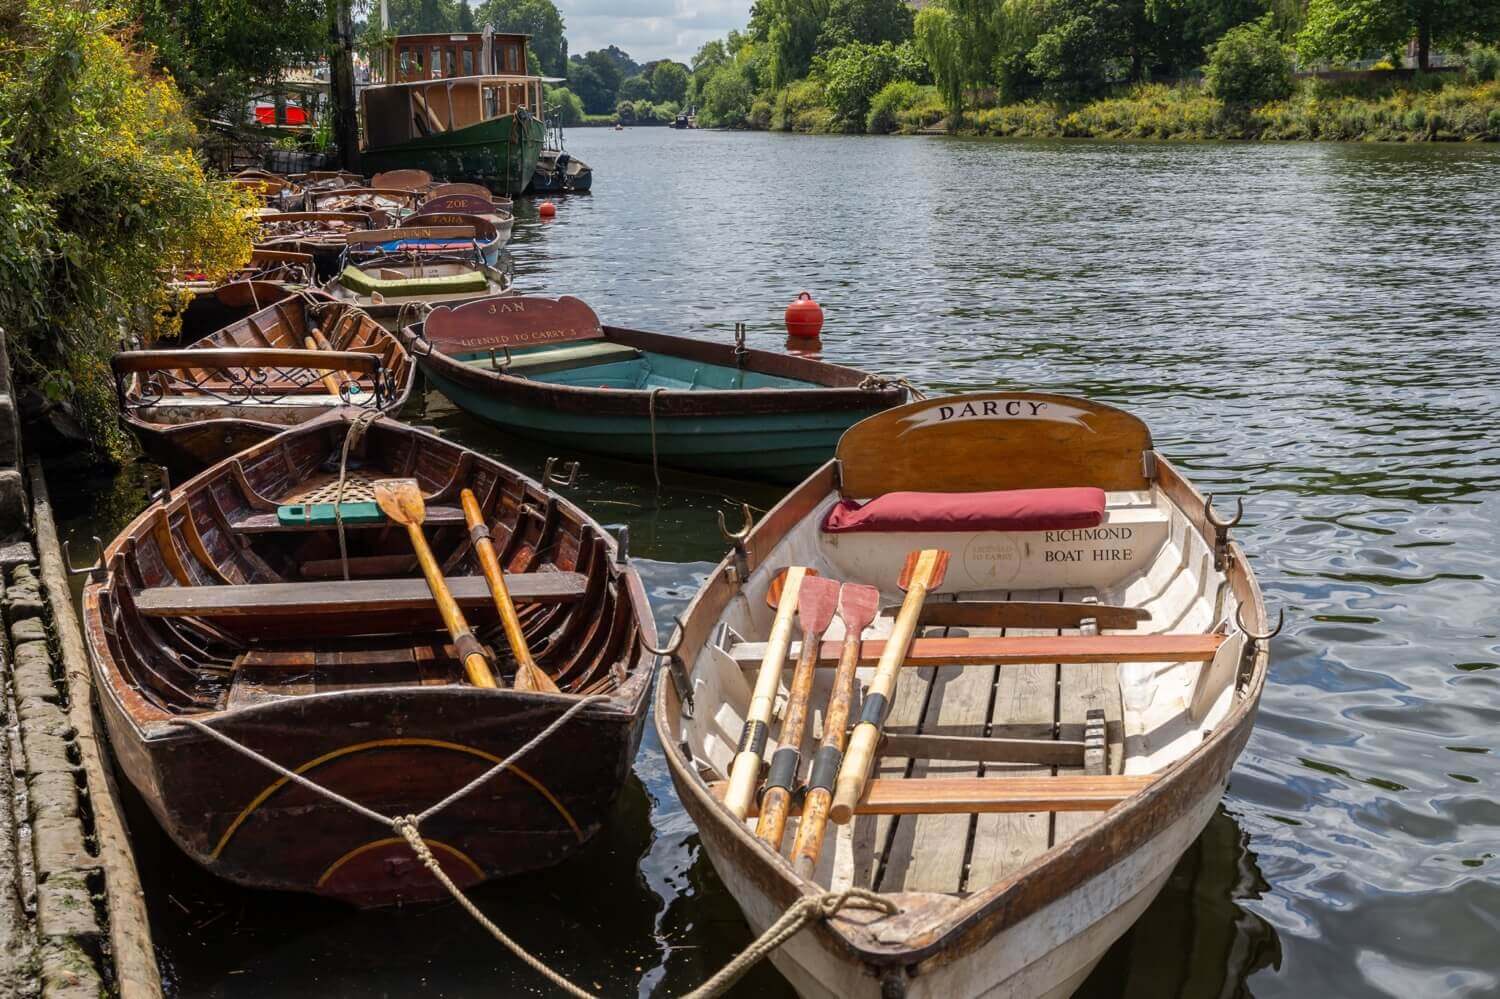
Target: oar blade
<point x="927" y="566"/>
<point x="858" y="605"/>
<point x="778" y="586"/>
<point x="817" y="599"/>
<point x="400" y="500"/>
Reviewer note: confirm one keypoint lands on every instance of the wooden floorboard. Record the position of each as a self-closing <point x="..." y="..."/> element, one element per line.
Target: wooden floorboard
<point x="1025" y="696"/>
<point x="1096" y="685"/>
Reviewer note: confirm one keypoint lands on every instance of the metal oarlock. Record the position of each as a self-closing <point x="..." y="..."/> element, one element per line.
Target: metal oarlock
<point x="163" y="492"/>
<point x="495" y="362"/>
<point x="95" y="571"/>
<point x="1221" y="529"/>
<point x="676" y="668"/>
<point x="737" y="539"/>
<point x="1254" y="637"/>
<point x="551" y="479"/>
<point x="741" y="353"/>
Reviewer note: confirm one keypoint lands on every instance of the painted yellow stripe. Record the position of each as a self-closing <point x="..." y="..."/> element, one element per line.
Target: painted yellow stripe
<point x="377" y="844"/>
<point x="360" y="747"/>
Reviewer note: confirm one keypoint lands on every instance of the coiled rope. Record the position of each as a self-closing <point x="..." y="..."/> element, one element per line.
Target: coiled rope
<point x="805" y="910"/>
<point x="874" y="383"/>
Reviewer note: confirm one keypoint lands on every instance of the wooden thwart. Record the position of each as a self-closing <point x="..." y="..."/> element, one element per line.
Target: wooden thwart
<point x="980" y="749"/>
<point x="1029" y="614"/>
<point x="978" y="795"/>
<point x="319" y="598"/>
<point x="1006" y="651"/>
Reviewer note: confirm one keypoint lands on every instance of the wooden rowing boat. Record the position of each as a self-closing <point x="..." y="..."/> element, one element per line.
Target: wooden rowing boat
<point x="258" y="376"/>
<point x="321" y="235"/>
<point x="271" y="276"/>
<point x="546" y="368"/>
<point x="400" y="284"/>
<point x="1083" y="677"/>
<point x="225" y="603"/>
<point x="425" y="235"/>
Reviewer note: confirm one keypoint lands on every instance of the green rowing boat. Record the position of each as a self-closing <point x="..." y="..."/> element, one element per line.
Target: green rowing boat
<point x="547" y="369"/>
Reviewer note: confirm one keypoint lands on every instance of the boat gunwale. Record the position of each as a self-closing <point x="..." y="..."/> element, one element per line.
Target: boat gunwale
<point x="974" y="920"/>
<point x="835" y="387"/>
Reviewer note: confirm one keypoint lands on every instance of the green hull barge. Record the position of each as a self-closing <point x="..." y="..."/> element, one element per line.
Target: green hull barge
<point x="546" y="369"/>
<point x="459" y="106"/>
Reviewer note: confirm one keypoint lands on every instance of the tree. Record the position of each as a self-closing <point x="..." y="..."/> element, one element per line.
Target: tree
<point x="620" y="59"/>
<point x="1342" y="30"/>
<point x="791" y="28"/>
<point x="852" y="75"/>
<point x="607" y="68"/>
<point x="417" y="17"/>
<point x="466" y="18"/>
<point x="584" y="81"/>
<point x="726" y="97"/>
<point x="220" y="53"/>
<point x="1249" y="66"/>
<point x="1078" y="41"/>
<point x="958" y="38"/>
<point x="867" y="21"/>
<point x="636" y="88"/>
<point x="669" y="81"/>
<point x="537" y="18"/>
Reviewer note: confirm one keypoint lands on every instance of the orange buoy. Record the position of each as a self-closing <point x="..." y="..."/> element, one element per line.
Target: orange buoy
<point x="804" y="317"/>
<point x="546" y="209"/>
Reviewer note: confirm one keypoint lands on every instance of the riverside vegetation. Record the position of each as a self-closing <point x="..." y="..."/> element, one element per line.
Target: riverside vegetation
<point x="1168" y="69"/>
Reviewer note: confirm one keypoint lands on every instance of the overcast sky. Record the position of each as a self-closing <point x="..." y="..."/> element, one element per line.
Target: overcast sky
<point x="650" y="29"/>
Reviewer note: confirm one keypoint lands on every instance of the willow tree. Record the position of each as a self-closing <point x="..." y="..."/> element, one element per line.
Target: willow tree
<point x="960" y="39"/>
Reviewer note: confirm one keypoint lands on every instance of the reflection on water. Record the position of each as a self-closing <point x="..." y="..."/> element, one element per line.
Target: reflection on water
<point x="1311" y="328"/>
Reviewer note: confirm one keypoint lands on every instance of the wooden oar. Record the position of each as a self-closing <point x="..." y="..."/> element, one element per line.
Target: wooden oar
<point x="329" y="380"/>
<point x="529" y="676"/>
<point x="858" y="605"/>
<point x="923" y="570"/>
<point x="816" y="601"/>
<point x="744" y="773"/>
<point x="401" y="500"/>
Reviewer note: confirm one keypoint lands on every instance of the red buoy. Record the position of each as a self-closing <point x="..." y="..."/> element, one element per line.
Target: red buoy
<point x="546" y="209"/>
<point x="804" y="317"/>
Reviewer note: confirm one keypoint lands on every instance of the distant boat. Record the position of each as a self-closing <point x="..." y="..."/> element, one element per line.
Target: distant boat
<point x="545" y="368"/>
<point x="460" y="106"/>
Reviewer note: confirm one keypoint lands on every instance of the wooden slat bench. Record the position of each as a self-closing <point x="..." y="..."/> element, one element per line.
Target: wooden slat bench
<point x="363" y="595"/>
<point x="1008" y="651"/>
<point x="978" y="795"/>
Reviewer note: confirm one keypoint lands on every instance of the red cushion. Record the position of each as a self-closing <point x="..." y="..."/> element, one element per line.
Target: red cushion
<point x="1005" y="510"/>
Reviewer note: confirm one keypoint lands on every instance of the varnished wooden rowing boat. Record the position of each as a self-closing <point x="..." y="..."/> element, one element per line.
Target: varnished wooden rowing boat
<point x="546" y="369"/>
<point x="226" y="603"/>
<point x="399" y="284"/>
<point x="258" y="376"/>
<point x="1060" y="731"/>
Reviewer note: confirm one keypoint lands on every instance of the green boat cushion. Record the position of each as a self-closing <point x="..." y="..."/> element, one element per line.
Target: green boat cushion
<point x="362" y="283"/>
<point x="322" y="513"/>
<point x="581" y="355"/>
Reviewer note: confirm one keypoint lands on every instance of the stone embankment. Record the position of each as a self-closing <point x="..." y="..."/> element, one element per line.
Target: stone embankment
<point x="72" y="919"/>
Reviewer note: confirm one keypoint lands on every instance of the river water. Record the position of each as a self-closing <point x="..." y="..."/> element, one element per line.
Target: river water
<point x="1311" y="328"/>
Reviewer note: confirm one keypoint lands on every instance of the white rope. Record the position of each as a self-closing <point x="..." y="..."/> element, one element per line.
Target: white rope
<point x="874" y="383"/>
<point x="805" y="910"/>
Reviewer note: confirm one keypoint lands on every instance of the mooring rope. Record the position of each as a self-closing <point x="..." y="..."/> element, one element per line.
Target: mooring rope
<point x="874" y="383"/>
<point x="805" y="910"/>
<point x="651" y="411"/>
<point x="357" y="428"/>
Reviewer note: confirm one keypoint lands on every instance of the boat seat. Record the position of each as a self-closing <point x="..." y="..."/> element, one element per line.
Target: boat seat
<point x="579" y="355"/>
<point x="1000" y="510"/>
<point x="971" y="795"/>
<point x="364" y="283"/>
<point x="1020" y="650"/>
<point x="365" y="595"/>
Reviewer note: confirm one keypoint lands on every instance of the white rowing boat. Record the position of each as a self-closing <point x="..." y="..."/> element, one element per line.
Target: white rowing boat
<point x="1081" y="682"/>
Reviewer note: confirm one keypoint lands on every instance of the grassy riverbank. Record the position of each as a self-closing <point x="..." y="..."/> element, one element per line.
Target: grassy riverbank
<point x="1420" y="110"/>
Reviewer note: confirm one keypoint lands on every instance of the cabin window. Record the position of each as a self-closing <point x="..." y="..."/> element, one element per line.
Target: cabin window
<point x="448" y="64"/>
<point x="489" y="103"/>
<point x="437" y="63"/>
<point x="512" y="63"/>
<point x="468" y="62"/>
<point x="405" y="61"/>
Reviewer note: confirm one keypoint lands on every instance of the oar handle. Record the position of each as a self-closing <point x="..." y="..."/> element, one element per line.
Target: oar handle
<point x="330" y="382"/>
<point x="776" y="802"/>
<point x="744" y="773"/>
<point x="475" y="664"/>
<point x="860" y="756"/>
<point x="528" y="674"/>
<point x="810" y="831"/>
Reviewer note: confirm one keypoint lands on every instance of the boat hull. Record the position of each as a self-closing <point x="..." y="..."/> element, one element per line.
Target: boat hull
<point x="766" y="447"/>
<point x="500" y="153"/>
<point x="397" y="751"/>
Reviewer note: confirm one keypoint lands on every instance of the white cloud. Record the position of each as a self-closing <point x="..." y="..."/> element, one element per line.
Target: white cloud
<point x="650" y="29"/>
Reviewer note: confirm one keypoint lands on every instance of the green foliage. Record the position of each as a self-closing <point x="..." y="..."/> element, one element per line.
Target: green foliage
<point x="220" y="53"/>
<point x="852" y="75"/>
<point x="100" y="196"/>
<point x="636" y="88"/>
<point x="887" y="106"/>
<point x="537" y="18"/>
<point x="940" y="38"/>
<point x="1077" y="43"/>
<point x="569" y="109"/>
<point x="1249" y="66"/>
<point x="868" y="21"/>
<point x="1343" y="30"/>
<point x="1483" y="64"/>
<point x="726" y="97"/>
<point x="669" y="81"/>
